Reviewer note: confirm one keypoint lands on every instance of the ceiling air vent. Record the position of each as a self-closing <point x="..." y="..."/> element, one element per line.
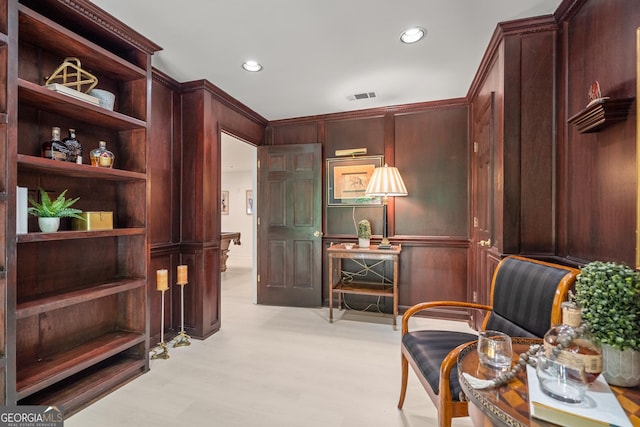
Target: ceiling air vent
<point x="363" y="95"/>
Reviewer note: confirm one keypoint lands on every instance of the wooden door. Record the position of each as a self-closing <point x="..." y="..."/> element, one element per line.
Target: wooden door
<point x="289" y="225"/>
<point x="483" y="196"/>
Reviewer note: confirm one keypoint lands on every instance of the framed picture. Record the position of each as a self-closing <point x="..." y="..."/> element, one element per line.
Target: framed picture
<point x="347" y="180"/>
<point x="224" y="203"/>
<point x="249" y="202"/>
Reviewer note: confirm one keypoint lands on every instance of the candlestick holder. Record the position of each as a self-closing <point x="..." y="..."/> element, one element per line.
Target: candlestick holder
<point x="182" y="339"/>
<point x="161" y="351"/>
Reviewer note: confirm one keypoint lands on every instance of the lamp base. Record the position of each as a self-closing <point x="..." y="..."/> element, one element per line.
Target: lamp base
<point x="385" y="244"/>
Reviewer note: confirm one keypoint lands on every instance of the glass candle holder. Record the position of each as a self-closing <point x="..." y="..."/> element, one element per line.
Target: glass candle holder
<point x="566" y="383"/>
<point x="495" y="350"/>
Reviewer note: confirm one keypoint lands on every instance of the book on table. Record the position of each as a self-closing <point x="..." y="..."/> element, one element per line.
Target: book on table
<point x="600" y="406"/>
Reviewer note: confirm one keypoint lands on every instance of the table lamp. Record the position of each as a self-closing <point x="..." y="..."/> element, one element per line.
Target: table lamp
<point x="385" y="181"/>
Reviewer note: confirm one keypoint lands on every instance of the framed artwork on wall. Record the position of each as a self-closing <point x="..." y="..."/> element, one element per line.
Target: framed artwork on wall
<point x="347" y="180"/>
<point x="249" y="202"/>
<point x="224" y="203"/>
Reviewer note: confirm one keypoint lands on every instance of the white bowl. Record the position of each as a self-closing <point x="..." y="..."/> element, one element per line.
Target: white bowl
<point x="107" y="99"/>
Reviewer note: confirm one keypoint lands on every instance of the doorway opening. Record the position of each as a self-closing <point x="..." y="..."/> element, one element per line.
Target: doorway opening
<point x="238" y="185"/>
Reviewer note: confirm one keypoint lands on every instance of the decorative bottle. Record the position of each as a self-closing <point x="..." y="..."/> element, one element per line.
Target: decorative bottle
<point x="74" y="147"/>
<point x="571" y="343"/>
<point x="54" y="148"/>
<point x="101" y="157"/>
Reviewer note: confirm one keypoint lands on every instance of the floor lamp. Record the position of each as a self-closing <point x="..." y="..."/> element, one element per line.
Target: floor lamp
<point x="385" y="181"/>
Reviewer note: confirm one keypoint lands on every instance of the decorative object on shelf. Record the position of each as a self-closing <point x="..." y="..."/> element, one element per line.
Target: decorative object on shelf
<point x="609" y="293"/>
<point x="93" y="221"/>
<point x="249" y="202"/>
<point x="106" y="99"/>
<point x="54" y="148"/>
<point x="224" y="203"/>
<point x="600" y="111"/>
<point x="22" y="210"/>
<point x="101" y="157"/>
<point x="74" y="148"/>
<point x="161" y="351"/>
<point x="182" y="339"/>
<point x="386" y="181"/>
<point x="57" y="87"/>
<point x="49" y="212"/>
<point x="347" y="180"/>
<point x="71" y="74"/>
<point x="364" y="233"/>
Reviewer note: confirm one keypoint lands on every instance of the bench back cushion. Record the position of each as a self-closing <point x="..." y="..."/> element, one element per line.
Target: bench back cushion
<point x="523" y="297"/>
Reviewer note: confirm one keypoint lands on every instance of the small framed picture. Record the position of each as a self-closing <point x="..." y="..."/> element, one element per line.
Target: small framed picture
<point x="249" y="202"/>
<point x="347" y="180"/>
<point x="224" y="203"/>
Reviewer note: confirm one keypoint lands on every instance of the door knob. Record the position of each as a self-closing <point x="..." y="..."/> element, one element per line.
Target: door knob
<point x="485" y="243"/>
<point x="317" y="233"/>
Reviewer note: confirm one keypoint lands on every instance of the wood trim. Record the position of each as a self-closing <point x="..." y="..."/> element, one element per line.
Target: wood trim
<point x="165" y="79"/>
<point x="567" y="9"/>
<point x="509" y="28"/>
<point x="224" y="98"/>
<point x="374" y="112"/>
<point x="105" y="22"/>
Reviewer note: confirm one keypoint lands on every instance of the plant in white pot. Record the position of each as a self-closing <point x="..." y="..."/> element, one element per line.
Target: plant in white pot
<point x="364" y="233"/>
<point x="50" y="211"/>
<point x="609" y="294"/>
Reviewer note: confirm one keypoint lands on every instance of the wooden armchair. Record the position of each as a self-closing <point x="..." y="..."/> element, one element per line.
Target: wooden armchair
<point x="525" y="302"/>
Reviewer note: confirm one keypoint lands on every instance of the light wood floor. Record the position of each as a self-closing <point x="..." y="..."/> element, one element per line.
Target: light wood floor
<point x="274" y="366"/>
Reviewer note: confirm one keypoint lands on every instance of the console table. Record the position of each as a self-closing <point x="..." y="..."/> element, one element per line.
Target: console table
<point x="509" y="405"/>
<point x="365" y="259"/>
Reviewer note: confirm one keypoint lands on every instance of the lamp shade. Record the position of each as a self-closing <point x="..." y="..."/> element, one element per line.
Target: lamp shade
<point x="386" y="181"/>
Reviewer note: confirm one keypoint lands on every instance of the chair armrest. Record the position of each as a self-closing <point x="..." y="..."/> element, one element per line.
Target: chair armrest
<point x="434" y="304"/>
<point x="445" y="369"/>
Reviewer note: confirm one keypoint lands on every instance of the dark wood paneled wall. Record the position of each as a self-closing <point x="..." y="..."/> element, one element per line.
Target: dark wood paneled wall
<point x="597" y="179"/>
<point x="429" y="144"/>
<point x="206" y="111"/>
<point x="566" y="195"/>
<point x="164" y="220"/>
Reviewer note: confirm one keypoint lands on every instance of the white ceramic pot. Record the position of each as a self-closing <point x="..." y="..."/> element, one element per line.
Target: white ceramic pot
<point x="48" y="225"/>
<point x="621" y="368"/>
<point x="363" y="243"/>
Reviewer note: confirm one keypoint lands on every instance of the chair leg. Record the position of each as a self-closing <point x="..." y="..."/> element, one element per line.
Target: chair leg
<point x="405" y="377"/>
<point x="445" y="412"/>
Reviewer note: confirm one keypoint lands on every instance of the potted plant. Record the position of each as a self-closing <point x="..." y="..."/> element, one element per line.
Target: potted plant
<point x="364" y="233"/>
<point x="609" y="294"/>
<point x="50" y="211"/>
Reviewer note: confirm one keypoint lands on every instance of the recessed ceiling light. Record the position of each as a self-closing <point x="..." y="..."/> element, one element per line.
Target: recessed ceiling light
<point x="252" y="66"/>
<point x="413" y="35"/>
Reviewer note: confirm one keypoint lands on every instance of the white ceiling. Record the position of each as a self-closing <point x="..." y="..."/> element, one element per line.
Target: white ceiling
<point x="317" y="52"/>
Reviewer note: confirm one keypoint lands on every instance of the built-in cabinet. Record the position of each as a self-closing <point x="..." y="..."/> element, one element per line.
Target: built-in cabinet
<point x="77" y="319"/>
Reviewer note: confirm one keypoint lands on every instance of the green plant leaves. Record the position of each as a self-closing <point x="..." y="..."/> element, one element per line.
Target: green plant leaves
<point x="609" y="294"/>
<point x="58" y="208"/>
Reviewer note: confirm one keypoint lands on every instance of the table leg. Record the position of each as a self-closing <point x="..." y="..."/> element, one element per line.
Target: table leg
<point x="395" y="291"/>
<point x="330" y="289"/>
